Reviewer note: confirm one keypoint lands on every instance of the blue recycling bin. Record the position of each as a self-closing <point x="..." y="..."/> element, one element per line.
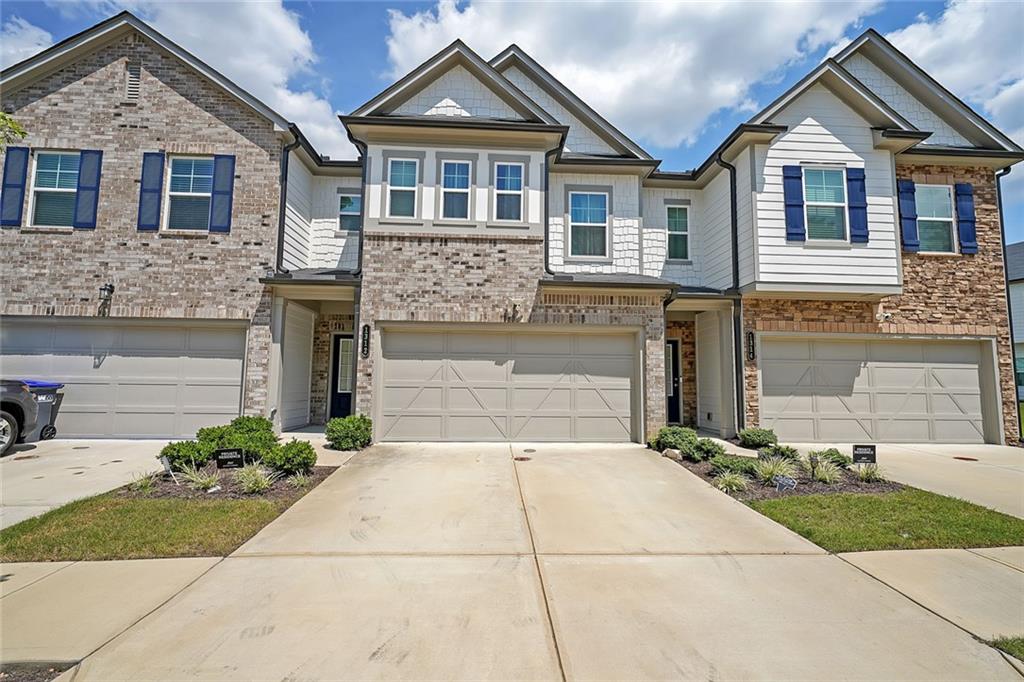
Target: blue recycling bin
<point x="48" y="399"/>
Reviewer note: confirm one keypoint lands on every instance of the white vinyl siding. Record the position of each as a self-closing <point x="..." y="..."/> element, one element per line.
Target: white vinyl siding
<point x="716" y="231"/>
<point x="297" y="216"/>
<point x="936" y="226"/>
<point x="298" y="362"/>
<point x="54" y="188"/>
<point x="823" y="130"/>
<point x="746" y="185"/>
<point x="1017" y="310"/>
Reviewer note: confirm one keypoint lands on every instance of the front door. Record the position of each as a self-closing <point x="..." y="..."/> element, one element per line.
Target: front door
<point x="341" y="376"/>
<point x="672" y="380"/>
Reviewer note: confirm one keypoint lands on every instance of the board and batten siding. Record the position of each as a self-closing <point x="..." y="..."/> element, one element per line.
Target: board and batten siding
<point x="297" y="212"/>
<point x="823" y="130"/>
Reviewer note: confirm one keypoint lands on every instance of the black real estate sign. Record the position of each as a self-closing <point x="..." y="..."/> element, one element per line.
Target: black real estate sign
<point x="864" y="454"/>
<point x="229" y="458"/>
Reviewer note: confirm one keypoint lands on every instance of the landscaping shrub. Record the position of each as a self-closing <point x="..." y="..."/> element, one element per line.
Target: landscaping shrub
<point x="833" y="455"/>
<point x="198" y="479"/>
<point x="186" y="452"/>
<point x="706" y="448"/>
<point x="214" y="436"/>
<point x="756" y="439"/>
<point x="734" y="464"/>
<point x="783" y="451"/>
<point x="299" y="481"/>
<point x="678" y="438"/>
<point x="827" y="472"/>
<point x="296" y="456"/>
<point x="254" y="479"/>
<point x="869" y="473"/>
<point x="765" y="470"/>
<point x="247" y="424"/>
<point x="350" y="433"/>
<point x="254" y="435"/>
<point x="730" y="482"/>
<point x="144" y="483"/>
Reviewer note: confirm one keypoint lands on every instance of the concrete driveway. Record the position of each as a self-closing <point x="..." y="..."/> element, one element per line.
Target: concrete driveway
<point x="989" y="475"/>
<point x="534" y="562"/>
<point x="37" y="477"/>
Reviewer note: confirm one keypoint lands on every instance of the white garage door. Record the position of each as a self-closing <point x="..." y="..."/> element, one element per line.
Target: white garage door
<point x="884" y="391"/>
<point x="130" y="379"/>
<point x="523" y="386"/>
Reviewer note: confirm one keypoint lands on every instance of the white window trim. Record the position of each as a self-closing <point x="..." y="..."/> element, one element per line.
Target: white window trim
<point x="953" y="235"/>
<point x="845" y="205"/>
<point x="31" y="222"/>
<point x="521" y="192"/>
<point x="165" y="217"/>
<point x="415" y="189"/>
<point x="669" y="233"/>
<point x="606" y="225"/>
<point x="467" y="191"/>
<point x="353" y="193"/>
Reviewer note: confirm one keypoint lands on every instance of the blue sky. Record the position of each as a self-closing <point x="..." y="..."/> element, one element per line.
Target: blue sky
<point x="675" y="77"/>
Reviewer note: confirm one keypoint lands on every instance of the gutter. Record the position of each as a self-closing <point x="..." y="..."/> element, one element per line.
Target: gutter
<point x="547" y="202"/>
<point x="1006" y="277"/>
<point x="286" y="151"/>
<point x="737" y="308"/>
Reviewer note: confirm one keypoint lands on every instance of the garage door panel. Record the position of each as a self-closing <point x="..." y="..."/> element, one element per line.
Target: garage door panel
<point x="900" y="391"/>
<point x="210" y="396"/>
<point x="413" y="369"/>
<point x="412" y="344"/>
<point x="509" y="386"/>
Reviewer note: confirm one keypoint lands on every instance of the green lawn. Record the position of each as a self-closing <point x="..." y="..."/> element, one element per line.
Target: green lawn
<point x="112" y="527"/>
<point x="1011" y="645"/>
<point x="908" y="519"/>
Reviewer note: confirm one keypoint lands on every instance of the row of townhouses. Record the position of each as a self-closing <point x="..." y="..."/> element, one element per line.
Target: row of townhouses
<point x="500" y="262"/>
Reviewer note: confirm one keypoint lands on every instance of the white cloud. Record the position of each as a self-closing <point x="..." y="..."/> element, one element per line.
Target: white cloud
<point x="19" y="40"/>
<point x="658" y="70"/>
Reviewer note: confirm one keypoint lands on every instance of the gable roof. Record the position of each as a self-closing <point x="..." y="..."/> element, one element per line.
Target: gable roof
<point x="456" y="53"/>
<point x="1015" y="263"/>
<point x="930" y="92"/>
<point x="69" y="49"/>
<point x="513" y="55"/>
<point x="851" y="91"/>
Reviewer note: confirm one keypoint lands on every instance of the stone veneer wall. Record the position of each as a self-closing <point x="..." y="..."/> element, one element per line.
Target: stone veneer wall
<point x="686" y="333"/>
<point x="955" y="295"/>
<point x="440" y="278"/>
<point x="58" y="271"/>
<point x="323" y="330"/>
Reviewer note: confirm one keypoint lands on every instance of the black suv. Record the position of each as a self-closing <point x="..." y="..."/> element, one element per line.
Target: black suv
<point x="18" y="413"/>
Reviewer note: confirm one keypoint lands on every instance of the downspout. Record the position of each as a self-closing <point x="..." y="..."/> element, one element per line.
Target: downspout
<point x="282" y="209"/>
<point x="737" y="306"/>
<point x="358" y="298"/>
<point x="1006" y="276"/>
<point x="547" y="203"/>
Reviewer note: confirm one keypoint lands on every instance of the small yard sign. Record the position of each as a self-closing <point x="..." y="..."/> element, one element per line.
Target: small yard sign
<point x="864" y="454"/>
<point x="229" y="458"/>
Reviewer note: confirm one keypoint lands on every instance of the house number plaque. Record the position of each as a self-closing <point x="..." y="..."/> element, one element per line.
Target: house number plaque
<point x="364" y="341"/>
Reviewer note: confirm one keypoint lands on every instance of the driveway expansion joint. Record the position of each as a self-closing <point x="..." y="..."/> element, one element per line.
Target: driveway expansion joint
<point x="992" y="558"/>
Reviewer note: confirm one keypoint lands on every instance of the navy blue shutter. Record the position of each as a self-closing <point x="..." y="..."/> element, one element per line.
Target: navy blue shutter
<point x="12" y="199"/>
<point x="857" y="202"/>
<point x="908" y="214"/>
<point x="793" y="191"/>
<point x="87" y="197"/>
<point x="151" y="190"/>
<point x="223" y="188"/>
<point x="965" y="217"/>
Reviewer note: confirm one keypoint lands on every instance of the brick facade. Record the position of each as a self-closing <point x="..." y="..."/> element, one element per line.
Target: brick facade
<point x="956" y="295"/>
<point x="493" y="280"/>
<point x="323" y="331"/>
<point x="686" y="332"/>
<point x="59" y="271"/>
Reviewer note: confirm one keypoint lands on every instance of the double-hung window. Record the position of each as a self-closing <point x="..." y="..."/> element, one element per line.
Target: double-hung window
<point x="588" y="224"/>
<point x="402" y="180"/>
<point x="508" y="192"/>
<point x="54" y="188"/>
<point x="935" y="218"/>
<point x="455" y="189"/>
<point x="678" y="233"/>
<point x="189" y="188"/>
<point x="825" y="203"/>
<point x="349" y="208"/>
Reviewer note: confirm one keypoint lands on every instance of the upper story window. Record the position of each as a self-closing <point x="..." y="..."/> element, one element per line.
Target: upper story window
<point x="402" y="175"/>
<point x="935" y="218"/>
<point x="189" y="191"/>
<point x="508" y="191"/>
<point x="455" y="189"/>
<point x="54" y="188"/>
<point x="588" y="224"/>
<point x="825" y="203"/>
<point x="678" y="233"/>
<point x="349" y="211"/>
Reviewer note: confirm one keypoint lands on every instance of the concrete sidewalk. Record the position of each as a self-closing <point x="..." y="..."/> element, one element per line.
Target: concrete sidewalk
<point x="469" y="562"/>
<point x="38" y="477"/>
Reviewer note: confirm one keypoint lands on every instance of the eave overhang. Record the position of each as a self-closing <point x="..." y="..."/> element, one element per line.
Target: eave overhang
<point x="450" y="129"/>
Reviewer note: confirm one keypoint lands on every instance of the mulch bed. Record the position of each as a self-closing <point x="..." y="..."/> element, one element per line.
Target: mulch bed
<point x="804" y="485"/>
<point x="31" y="672"/>
<point x="281" y="489"/>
